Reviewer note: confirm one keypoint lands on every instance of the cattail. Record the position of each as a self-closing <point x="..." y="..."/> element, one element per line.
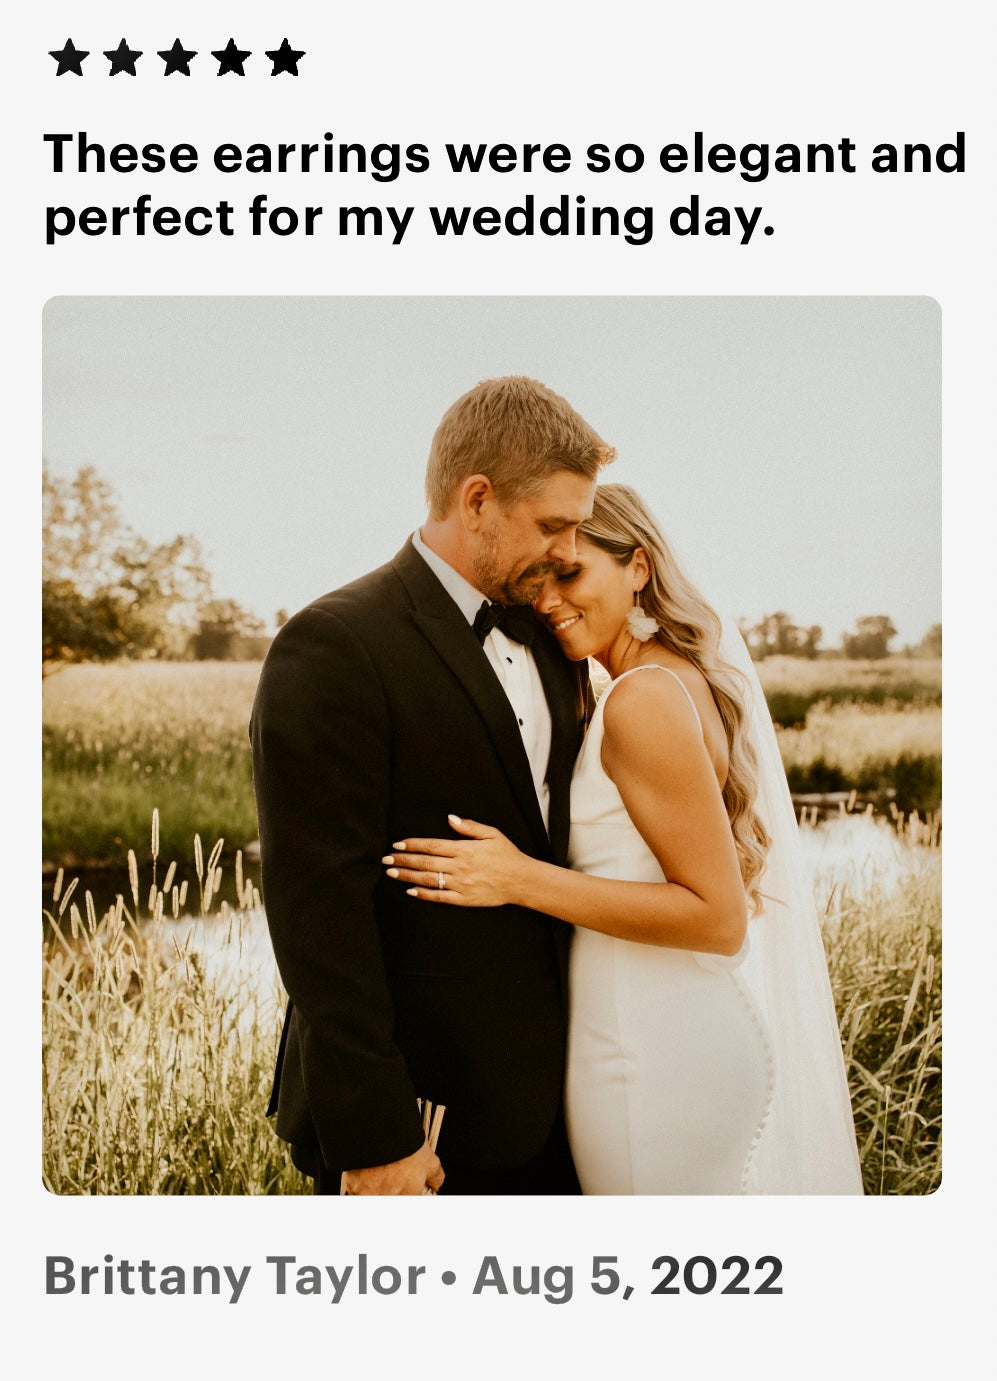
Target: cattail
<point x="155" y="837"/>
<point x="133" y="876"/>
<point x="215" y="855"/>
<point x="176" y="903"/>
<point x="198" y="858"/>
<point x="183" y="894"/>
<point x="153" y="893"/>
<point x="68" y="893"/>
<point x="170" y="873"/>
<point x="91" y="912"/>
<point x="57" y="889"/>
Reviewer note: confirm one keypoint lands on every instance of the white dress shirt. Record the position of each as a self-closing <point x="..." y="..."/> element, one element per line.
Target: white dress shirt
<point x="515" y="668"/>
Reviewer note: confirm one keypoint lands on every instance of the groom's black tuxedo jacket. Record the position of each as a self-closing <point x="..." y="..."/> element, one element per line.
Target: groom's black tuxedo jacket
<point x="377" y="714"/>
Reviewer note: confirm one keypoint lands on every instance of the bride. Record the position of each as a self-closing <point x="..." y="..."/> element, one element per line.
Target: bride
<point x="703" y="1050"/>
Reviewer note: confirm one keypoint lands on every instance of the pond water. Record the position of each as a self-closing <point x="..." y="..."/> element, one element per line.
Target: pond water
<point x="235" y="949"/>
<point x="862" y="851"/>
<point x="856" y="852"/>
<point x="862" y="854"/>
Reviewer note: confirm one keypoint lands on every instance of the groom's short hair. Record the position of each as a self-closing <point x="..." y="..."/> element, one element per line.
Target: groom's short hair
<point x="517" y="432"/>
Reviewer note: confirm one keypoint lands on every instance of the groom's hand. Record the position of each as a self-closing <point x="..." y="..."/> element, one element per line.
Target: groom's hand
<point x="408" y="1176"/>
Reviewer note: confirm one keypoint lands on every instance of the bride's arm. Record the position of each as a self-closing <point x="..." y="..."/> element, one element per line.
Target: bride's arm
<point x="654" y="751"/>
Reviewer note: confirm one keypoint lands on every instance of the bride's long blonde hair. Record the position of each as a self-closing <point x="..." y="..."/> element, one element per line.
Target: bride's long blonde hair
<point x="620" y="523"/>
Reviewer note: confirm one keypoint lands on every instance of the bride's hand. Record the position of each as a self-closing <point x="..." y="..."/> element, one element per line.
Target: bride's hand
<point x="483" y="869"/>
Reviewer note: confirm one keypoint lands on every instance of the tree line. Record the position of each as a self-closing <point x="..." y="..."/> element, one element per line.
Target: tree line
<point x="108" y="592"/>
<point x="776" y="635"/>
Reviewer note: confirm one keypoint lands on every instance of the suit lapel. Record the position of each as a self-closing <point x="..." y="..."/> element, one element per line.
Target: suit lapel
<point x="447" y="630"/>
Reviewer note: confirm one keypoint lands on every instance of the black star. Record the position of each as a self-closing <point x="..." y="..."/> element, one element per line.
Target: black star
<point x="122" y="59"/>
<point x="70" y="58"/>
<point x="285" y="58"/>
<point x="177" y="58"/>
<point x="230" y="58"/>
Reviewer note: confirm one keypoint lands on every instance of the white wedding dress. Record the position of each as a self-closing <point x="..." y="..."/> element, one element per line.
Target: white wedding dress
<point x="695" y="1073"/>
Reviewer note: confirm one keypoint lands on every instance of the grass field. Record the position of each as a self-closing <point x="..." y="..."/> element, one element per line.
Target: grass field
<point x="160" y="1037"/>
<point x="120" y="740"/>
<point x="892" y="681"/>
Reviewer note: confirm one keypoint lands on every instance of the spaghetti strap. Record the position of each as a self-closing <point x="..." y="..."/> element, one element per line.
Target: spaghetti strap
<point x="656" y="666"/>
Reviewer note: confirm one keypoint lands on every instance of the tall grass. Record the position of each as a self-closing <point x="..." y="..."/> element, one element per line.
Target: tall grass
<point x="883" y="944"/>
<point x="160" y="1035"/>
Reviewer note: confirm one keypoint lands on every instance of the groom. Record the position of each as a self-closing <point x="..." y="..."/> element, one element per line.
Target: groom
<point x="425" y="688"/>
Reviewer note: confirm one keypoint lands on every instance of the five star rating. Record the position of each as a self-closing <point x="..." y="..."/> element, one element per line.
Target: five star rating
<point x="123" y="60"/>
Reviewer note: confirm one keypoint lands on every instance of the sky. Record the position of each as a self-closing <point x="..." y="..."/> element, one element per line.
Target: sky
<point x="790" y="446"/>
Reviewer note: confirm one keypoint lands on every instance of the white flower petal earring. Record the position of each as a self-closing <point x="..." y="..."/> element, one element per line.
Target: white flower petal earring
<point x="640" y="625"/>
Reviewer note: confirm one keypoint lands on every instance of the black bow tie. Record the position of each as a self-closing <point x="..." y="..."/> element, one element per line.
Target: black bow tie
<point x="516" y="621"/>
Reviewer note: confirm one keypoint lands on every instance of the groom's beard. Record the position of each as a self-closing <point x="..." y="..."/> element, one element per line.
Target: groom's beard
<point x="504" y="587"/>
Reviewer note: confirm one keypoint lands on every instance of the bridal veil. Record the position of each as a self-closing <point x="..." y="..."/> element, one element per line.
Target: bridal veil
<point x="806" y="1144"/>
